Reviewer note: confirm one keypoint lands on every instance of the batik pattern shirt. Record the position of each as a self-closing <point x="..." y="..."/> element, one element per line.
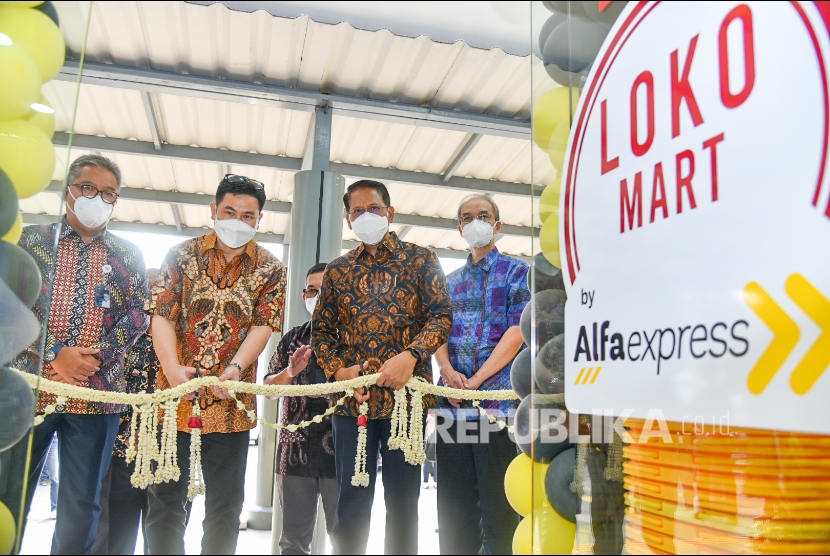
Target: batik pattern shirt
<point x="487" y="298"/>
<point x="140" y="368"/>
<point x="213" y="303"/>
<point x="307" y="452"/>
<point x="373" y="308"/>
<point x="95" y="300"/>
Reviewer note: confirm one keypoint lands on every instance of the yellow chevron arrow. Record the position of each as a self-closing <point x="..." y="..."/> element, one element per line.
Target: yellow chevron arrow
<point x="817" y="359"/>
<point x="786" y="337"/>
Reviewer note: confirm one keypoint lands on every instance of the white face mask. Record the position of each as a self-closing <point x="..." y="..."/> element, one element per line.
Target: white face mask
<point x="233" y="233"/>
<point x="370" y="228"/>
<point x="477" y="233"/>
<point x="92" y="213"/>
<point x="311" y="303"/>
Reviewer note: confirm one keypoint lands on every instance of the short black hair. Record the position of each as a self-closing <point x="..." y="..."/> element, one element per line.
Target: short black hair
<point x="319" y="267"/>
<point x="243" y="188"/>
<point x="366" y="184"/>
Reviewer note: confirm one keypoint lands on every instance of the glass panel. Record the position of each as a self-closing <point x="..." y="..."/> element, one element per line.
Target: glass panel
<point x="568" y="467"/>
<point x="38" y="41"/>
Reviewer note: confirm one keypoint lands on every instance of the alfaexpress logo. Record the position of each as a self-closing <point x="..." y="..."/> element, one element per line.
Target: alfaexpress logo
<point x="600" y="342"/>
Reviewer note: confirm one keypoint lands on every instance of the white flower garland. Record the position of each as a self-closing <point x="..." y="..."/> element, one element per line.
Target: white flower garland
<point x="145" y="450"/>
<point x="361" y="477"/>
<point x="398" y="434"/>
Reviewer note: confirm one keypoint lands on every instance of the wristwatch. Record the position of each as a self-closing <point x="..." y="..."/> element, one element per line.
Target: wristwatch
<point x="416" y="353"/>
<point x="237" y="365"/>
<point x="50" y="355"/>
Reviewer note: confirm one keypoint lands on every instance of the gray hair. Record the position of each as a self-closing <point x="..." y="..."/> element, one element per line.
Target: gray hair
<point x="95" y="160"/>
<point x="486" y="196"/>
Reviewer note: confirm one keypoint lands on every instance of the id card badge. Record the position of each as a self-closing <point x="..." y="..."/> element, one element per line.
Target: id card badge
<point x="103" y="298"/>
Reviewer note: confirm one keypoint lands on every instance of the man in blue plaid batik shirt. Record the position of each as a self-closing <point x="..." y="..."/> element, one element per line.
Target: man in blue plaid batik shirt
<point x="488" y="295"/>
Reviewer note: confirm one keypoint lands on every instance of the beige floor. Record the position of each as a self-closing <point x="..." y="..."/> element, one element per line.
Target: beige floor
<point x="39" y="527"/>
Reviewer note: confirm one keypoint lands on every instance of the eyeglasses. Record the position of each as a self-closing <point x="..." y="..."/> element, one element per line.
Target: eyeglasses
<point x="234" y="179"/>
<point x="90" y="192"/>
<point x="467" y="218"/>
<point x="357" y="213"/>
<point x="312" y="292"/>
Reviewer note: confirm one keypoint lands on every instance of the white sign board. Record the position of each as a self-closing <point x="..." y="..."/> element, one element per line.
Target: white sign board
<point x="696" y="223"/>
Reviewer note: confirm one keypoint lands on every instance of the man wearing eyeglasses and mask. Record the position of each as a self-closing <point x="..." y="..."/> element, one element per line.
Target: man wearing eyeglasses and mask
<point x="91" y="312"/>
<point x="384" y="308"/>
<point x="488" y="296"/>
<point x="214" y="307"/>
<point x="305" y="457"/>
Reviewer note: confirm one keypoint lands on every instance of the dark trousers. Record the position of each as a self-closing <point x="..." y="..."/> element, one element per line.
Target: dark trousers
<point x="224" y="457"/>
<point x="401" y="488"/>
<point x="85" y="445"/>
<point x="474" y="516"/>
<point x="298" y="503"/>
<point x="123" y="508"/>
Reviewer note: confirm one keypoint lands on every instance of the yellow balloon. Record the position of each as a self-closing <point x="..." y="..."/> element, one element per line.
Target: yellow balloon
<point x="38" y="35"/>
<point x="549" y="239"/>
<point x="524" y="483"/>
<point x="549" y="110"/>
<point x="27" y="156"/>
<point x="558" y="144"/>
<point x="552" y="533"/>
<point x="20" y="78"/>
<point x="43" y="116"/>
<point x="21" y="4"/>
<point x="7" y="530"/>
<point x="13" y="235"/>
<point x="522" y="542"/>
<point x="549" y="200"/>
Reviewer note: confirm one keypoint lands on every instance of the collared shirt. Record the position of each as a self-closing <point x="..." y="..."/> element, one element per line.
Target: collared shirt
<point x="373" y="308"/>
<point x="487" y="298"/>
<point x="94" y="300"/>
<point x="214" y="303"/>
<point x="307" y="452"/>
<point x="140" y="368"/>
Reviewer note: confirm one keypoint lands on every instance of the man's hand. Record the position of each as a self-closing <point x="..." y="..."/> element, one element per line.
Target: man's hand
<point x="453" y="379"/>
<point x="397" y="370"/>
<point x="230" y="373"/>
<point x="473" y="383"/>
<point x="298" y="361"/>
<point x="348" y="373"/>
<point x="73" y="365"/>
<point x="179" y="374"/>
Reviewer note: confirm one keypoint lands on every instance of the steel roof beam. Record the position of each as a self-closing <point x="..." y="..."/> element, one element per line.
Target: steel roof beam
<point x="289" y="164"/>
<point x="462" y="155"/>
<point x="166" y="82"/>
<point x="151" y="119"/>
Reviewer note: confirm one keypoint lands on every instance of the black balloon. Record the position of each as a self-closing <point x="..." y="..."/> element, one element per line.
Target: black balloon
<point x="545" y="276"/>
<point x="17" y="404"/>
<point x="540" y="430"/>
<point x="550" y="316"/>
<point x="567" y="78"/>
<point x="591" y="9"/>
<point x="574" y="43"/>
<point x="547" y="28"/>
<point x="20" y="273"/>
<point x="550" y="367"/>
<point x="521" y="379"/>
<point x="564" y="7"/>
<point x="8" y="204"/>
<point x="558" y="479"/>
<point x="49" y="9"/>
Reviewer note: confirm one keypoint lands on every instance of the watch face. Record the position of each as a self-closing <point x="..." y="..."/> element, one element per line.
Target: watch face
<point x="50" y="356"/>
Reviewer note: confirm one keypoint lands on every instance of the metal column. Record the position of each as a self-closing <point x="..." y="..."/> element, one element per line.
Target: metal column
<point x="315" y="235"/>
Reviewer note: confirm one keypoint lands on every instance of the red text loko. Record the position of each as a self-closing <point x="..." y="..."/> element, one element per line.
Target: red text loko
<point x="674" y="185"/>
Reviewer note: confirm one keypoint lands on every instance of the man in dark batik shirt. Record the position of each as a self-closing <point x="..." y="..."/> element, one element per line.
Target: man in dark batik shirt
<point x="305" y="457"/>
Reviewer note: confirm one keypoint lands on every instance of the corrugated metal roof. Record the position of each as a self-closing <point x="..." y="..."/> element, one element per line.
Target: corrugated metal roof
<point x="260" y="48"/>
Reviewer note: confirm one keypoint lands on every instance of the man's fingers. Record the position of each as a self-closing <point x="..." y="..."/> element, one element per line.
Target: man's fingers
<point x="88" y="351"/>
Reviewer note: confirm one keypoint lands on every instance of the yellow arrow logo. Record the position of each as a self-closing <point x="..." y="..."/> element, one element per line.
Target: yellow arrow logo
<point x="813" y="365"/>
<point x="817" y="307"/>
